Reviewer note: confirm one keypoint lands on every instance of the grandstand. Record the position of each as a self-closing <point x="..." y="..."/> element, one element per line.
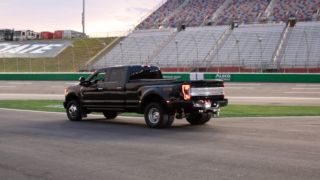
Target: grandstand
<point x="244" y="11"/>
<point x="302" y="46"/>
<point x="222" y="12"/>
<point x="250" y="46"/>
<point x="303" y="10"/>
<point x="138" y="47"/>
<point x="204" y="35"/>
<point x="188" y="48"/>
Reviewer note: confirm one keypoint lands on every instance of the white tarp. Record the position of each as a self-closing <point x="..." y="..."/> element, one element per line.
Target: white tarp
<point x="32" y="49"/>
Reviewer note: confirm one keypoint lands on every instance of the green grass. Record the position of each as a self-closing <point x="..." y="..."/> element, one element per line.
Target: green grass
<point x="229" y="111"/>
<point x="81" y="52"/>
<point x="36" y="105"/>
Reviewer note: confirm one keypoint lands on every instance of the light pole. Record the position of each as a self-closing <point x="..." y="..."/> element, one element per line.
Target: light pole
<point x="121" y="51"/>
<point x="83" y="17"/>
<point x="308" y="51"/>
<point x="195" y="42"/>
<point x="239" y="58"/>
<point x="176" y="42"/>
<point x="260" y="44"/>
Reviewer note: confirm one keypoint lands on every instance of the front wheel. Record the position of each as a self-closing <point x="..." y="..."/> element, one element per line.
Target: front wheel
<point x="74" y="111"/>
<point x="156" y="116"/>
<point x="198" y="118"/>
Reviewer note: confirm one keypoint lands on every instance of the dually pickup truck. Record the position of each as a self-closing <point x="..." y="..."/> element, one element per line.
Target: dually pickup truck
<point x="142" y="89"/>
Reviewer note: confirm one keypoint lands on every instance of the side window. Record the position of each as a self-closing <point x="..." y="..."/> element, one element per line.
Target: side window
<point x="136" y="73"/>
<point x="145" y="73"/>
<point x="115" y="75"/>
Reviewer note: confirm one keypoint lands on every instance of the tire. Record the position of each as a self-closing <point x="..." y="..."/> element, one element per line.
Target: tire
<point x="110" y="114"/>
<point x="74" y="111"/>
<point x="198" y="118"/>
<point x="157" y="117"/>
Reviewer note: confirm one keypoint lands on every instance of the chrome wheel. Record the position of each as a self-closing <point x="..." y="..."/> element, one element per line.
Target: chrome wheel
<point x="73" y="110"/>
<point x="154" y="115"/>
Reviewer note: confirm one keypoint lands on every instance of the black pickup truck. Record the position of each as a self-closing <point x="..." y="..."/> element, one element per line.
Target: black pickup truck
<point x="143" y="89"/>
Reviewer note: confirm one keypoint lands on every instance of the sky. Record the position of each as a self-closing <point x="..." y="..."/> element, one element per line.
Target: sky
<point x="102" y="16"/>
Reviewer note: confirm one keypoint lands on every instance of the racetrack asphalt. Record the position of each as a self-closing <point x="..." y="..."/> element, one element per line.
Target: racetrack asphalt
<point x="295" y="94"/>
<point x="41" y="145"/>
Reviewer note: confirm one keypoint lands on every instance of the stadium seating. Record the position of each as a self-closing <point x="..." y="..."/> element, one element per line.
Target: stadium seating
<point x="195" y="13"/>
<point x="303" y="10"/>
<point x="189" y="47"/>
<point x="302" y="47"/>
<point x="137" y="48"/>
<point x="155" y="19"/>
<point x="245" y="11"/>
<point x="249" y="46"/>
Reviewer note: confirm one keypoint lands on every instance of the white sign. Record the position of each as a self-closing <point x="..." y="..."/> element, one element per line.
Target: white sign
<point x="225" y="77"/>
<point x="27" y="48"/>
<point x="32" y="49"/>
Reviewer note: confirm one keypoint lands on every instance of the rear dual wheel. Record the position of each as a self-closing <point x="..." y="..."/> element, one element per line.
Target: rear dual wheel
<point x="198" y="118"/>
<point x="156" y="116"/>
<point x="110" y="114"/>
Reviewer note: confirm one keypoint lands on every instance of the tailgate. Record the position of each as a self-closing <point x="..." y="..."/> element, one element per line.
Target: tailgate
<point x="207" y="88"/>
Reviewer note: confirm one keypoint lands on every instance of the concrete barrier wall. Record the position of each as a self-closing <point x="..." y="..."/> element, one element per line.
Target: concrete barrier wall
<point x="272" y="78"/>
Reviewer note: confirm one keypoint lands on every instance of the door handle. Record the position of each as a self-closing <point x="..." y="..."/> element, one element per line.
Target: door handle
<point x="100" y="88"/>
<point x="119" y="87"/>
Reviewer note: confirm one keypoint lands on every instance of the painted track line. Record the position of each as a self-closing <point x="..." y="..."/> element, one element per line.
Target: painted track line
<point x="131" y="117"/>
<point x="60" y="113"/>
<point x="282" y="98"/>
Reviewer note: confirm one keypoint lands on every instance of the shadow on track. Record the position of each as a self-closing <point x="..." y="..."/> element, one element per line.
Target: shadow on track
<point x="117" y="129"/>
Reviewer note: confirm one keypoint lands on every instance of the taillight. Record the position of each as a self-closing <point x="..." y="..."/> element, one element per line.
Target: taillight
<point x="186" y="92"/>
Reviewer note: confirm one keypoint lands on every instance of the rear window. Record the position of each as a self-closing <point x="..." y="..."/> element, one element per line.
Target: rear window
<point x="141" y="72"/>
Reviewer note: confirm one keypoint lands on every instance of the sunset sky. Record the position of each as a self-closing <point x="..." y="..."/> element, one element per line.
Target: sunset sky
<point x="102" y="16"/>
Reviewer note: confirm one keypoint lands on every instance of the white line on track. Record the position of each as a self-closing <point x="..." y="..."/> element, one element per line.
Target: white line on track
<point x="8" y="86"/>
<point x="241" y="84"/>
<point x="228" y="87"/>
<point x="302" y="92"/>
<point x="53" y="95"/>
<point x="306" y="88"/>
<point x="75" y="83"/>
<point x="286" y="98"/>
<point x="58" y="86"/>
<point x="62" y="113"/>
<point x="20" y="83"/>
<point x="308" y="85"/>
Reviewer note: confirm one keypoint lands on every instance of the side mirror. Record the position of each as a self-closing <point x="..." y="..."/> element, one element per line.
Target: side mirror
<point x="82" y="80"/>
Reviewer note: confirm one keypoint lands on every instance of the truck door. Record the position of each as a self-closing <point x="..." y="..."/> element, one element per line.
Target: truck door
<point x="90" y="94"/>
<point x="113" y="89"/>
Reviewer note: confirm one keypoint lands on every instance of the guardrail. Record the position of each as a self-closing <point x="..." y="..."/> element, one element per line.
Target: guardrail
<point x="269" y="78"/>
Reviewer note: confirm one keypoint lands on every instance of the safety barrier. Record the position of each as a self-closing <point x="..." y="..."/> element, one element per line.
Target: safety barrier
<point x="263" y="77"/>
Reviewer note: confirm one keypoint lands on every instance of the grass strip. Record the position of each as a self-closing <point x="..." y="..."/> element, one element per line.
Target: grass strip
<point x="229" y="111"/>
